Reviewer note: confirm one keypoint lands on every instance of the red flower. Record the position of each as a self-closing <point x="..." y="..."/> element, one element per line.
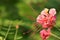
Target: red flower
<point x="45" y="19"/>
<point x="45" y="34"/>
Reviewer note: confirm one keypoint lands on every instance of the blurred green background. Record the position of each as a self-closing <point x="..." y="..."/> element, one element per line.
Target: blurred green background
<point x="24" y="13"/>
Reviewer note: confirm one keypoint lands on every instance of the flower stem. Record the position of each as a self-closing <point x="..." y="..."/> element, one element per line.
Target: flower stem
<point x="55" y="35"/>
<point x="7" y="31"/>
<point x="15" y="34"/>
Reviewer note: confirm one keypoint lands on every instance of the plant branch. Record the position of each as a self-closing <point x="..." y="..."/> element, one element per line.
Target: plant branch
<point x="8" y="31"/>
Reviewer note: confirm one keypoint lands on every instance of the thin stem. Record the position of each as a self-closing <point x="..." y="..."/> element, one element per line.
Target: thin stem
<point x="7" y="31"/>
<point x="55" y="35"/>
<point x="34" y="11"/>
<point x="15" y="34"/>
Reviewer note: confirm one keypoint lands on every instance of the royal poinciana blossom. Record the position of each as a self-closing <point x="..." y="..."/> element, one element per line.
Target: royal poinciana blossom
<point x="45" y="34"/>
<point x="47" y="20"/>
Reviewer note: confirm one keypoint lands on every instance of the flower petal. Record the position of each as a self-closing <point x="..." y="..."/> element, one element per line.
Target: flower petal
<point x="52" y="11"/>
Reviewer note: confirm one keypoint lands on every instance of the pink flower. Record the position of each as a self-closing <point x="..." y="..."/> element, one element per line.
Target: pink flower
<point x="52" y="11"/>
<point x="45" y="19"/>
<point x="45" y="34"/>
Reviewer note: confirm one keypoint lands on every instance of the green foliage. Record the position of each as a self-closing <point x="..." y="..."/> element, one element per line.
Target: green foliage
<point x="24" y="13"/>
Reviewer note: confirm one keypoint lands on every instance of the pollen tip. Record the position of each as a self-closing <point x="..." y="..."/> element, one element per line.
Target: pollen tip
<point x="46" y="10"/>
